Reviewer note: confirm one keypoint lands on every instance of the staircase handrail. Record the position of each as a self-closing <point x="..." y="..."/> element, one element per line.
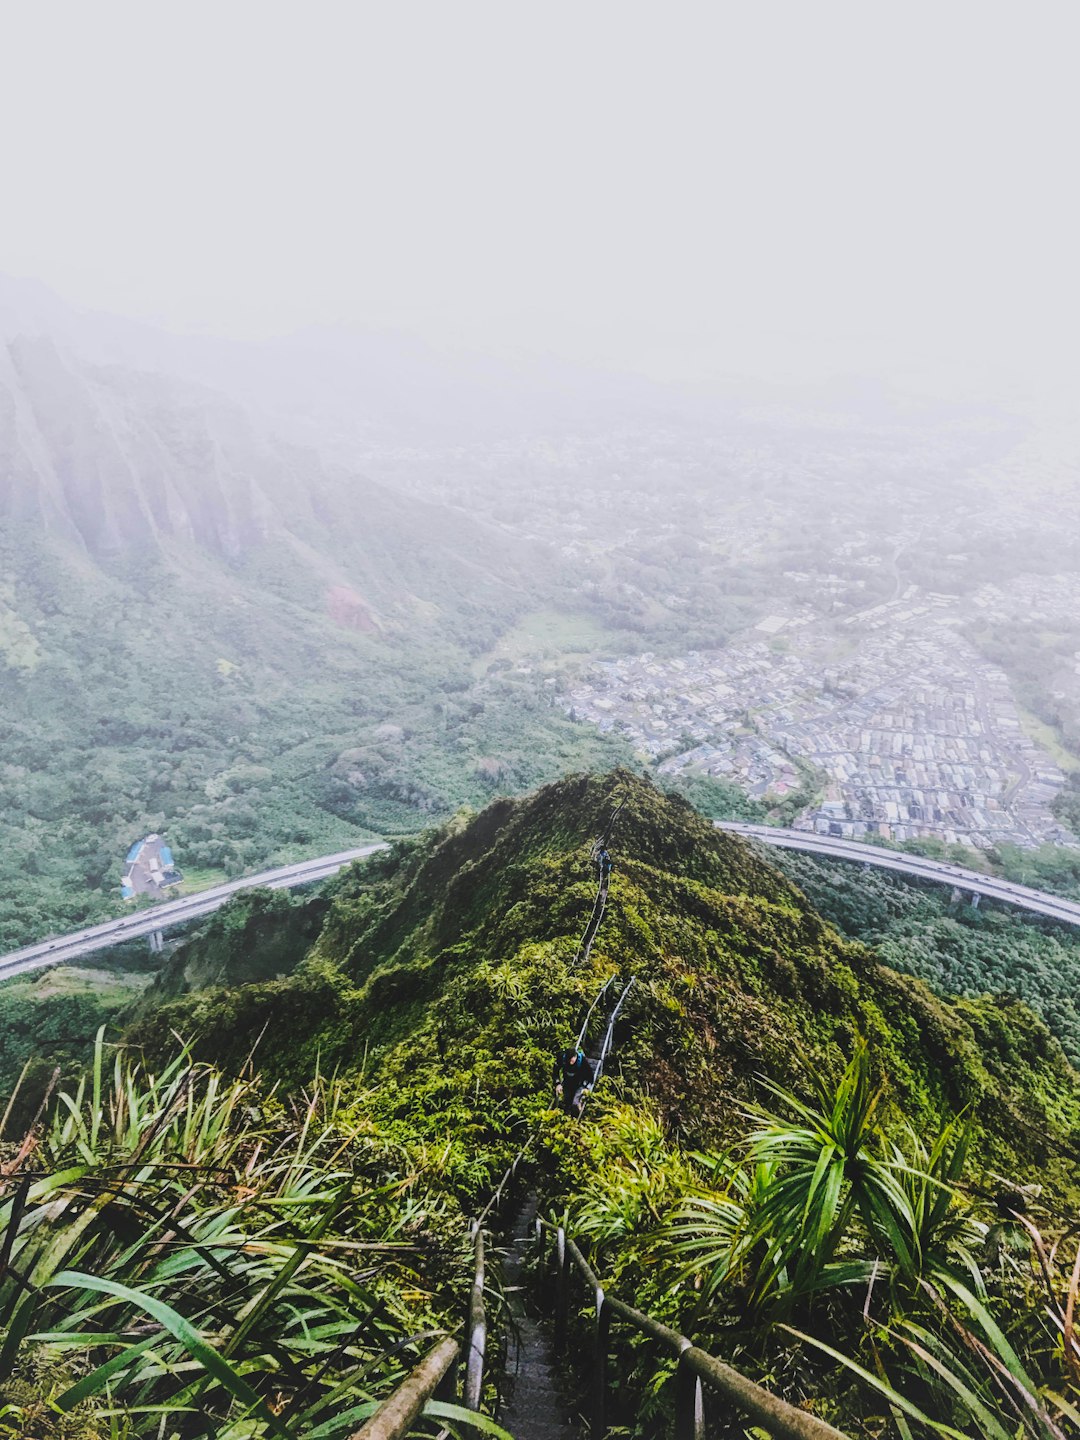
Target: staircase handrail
<point x="696" y="1368"/>
<point x="401" y="1409"/>
<point x="506" y="1184"/>
<point x="399" y="1412"/>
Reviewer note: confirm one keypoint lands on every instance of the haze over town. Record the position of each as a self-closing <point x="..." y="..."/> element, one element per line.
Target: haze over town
<point x="415" y="403"/>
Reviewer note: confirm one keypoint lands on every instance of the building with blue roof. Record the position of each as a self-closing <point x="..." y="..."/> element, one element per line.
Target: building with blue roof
<point x="149" y="869"/>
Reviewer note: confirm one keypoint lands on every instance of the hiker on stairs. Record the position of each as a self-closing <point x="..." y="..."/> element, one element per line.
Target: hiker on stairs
<point x="572" y="1075"/>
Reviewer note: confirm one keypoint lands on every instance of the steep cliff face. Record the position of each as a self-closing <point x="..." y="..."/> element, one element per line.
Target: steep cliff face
<point x="183" y="592"/>
<point x="115" y="456"/>
<point x="119" y="462"/>
<point x="113" y="446"/>
<point x="109" y="474"/>
<point x="114" y="460"/>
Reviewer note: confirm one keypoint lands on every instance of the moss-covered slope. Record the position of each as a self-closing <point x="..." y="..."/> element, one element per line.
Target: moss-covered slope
<point x="444" y="971"/>
<point x="259" y="935"/>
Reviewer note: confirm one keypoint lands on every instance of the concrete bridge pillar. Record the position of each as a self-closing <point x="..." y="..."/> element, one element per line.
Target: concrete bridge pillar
<point x="958" y="895"/>
<point x="157" y="942"/>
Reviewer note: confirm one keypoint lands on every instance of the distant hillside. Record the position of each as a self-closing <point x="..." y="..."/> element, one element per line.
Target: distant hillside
<point x="208" y="630"/>
<point x="955" y="948"/>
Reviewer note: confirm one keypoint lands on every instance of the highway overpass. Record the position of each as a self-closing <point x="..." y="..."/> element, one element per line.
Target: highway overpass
<point x="193" y="907"/>
<point x="173" y="912"/>
<point x="971" y="881"/>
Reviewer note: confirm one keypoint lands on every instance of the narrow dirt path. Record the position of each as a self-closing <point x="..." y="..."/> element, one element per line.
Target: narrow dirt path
<point x="536" y="1409"/>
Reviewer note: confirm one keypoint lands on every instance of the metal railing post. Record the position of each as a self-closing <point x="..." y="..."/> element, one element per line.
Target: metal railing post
<point x="767" y="1411"/>
<point x="598" y="1422"/>
<point x="561" y="1290"/>
<point x="476" y="1341"/>
<point x="399" y="1411"/>
<point x="698" y="1374"/>
<point x="689" y="1402"/>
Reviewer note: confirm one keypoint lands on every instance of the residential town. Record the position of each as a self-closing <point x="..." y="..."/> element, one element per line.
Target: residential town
<point x="907" y="730"/>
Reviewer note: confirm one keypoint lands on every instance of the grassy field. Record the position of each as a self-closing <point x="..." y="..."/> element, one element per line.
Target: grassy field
<point x="110" y="987"/>
<point x="195" y="880"/>
<point x="1049" y="738"/>
<point x="551" y="635"/>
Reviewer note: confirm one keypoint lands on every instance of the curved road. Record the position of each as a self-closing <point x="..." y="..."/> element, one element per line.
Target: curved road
<point x="1022" y="896"/>
<point x="177" y="912"/>
<point x="173" y="912"/>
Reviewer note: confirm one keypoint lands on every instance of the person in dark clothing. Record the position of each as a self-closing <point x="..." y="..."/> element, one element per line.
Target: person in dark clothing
<point x="604" y="861"/>
<point x="572" y="1075"/>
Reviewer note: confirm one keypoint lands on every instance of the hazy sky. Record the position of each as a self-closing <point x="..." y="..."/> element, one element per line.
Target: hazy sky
<point x="750" y="186"/>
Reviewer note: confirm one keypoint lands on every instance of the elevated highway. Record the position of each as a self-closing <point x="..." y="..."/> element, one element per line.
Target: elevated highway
<point x="173" y="912"/>
<point x="971" y="881"/>
<point x="146" y="923"/>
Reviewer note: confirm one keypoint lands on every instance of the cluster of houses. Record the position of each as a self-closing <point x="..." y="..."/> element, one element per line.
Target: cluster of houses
<point x="910" y="730"/>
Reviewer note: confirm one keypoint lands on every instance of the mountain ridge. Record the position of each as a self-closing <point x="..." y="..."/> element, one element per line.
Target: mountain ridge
<point x="737" y="977"/>
<point x="793" y="1149"/>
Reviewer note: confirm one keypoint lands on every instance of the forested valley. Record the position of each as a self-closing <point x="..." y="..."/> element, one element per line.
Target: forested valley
<point x="957" y="949"/>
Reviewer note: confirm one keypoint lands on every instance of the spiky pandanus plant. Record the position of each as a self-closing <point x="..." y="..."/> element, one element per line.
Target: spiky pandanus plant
<point x="824" y="1217"/>
<point x="182" y="1258"/>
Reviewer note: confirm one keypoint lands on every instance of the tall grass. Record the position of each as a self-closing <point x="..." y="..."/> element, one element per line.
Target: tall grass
<point x="182" y="1257"/>
<point x="868" y="1249"/>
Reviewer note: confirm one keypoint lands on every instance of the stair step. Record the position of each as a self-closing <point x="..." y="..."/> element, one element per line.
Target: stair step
<point x="535" y="1409"/>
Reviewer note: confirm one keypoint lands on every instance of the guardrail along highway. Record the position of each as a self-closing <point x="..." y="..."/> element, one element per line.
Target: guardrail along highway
<point x="173" y="912"/>
<point x="194" y="907"/>
<point x="972" y="881"/>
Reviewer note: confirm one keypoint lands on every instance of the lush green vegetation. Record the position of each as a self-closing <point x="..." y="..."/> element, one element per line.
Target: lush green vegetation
<point x="957" y="949"/>
<point x="444" y="963"/>
<point x="234" y="714"/>
<point x="441" y="978"/>
<point x="716" y="798"/>
<point x="189" y="1256"/>
<point x="848" y="1258"/>
<point x="1053" y="868"/>
<point x="50" y="1017"/>
<point x="551" y="636"/>
<point x="1048" y="867"/>
<point x="257" y="935"/>
<point x="1034" y="656"/>
<point x="1067" y="803"/>
<point x="447" y="965"/>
